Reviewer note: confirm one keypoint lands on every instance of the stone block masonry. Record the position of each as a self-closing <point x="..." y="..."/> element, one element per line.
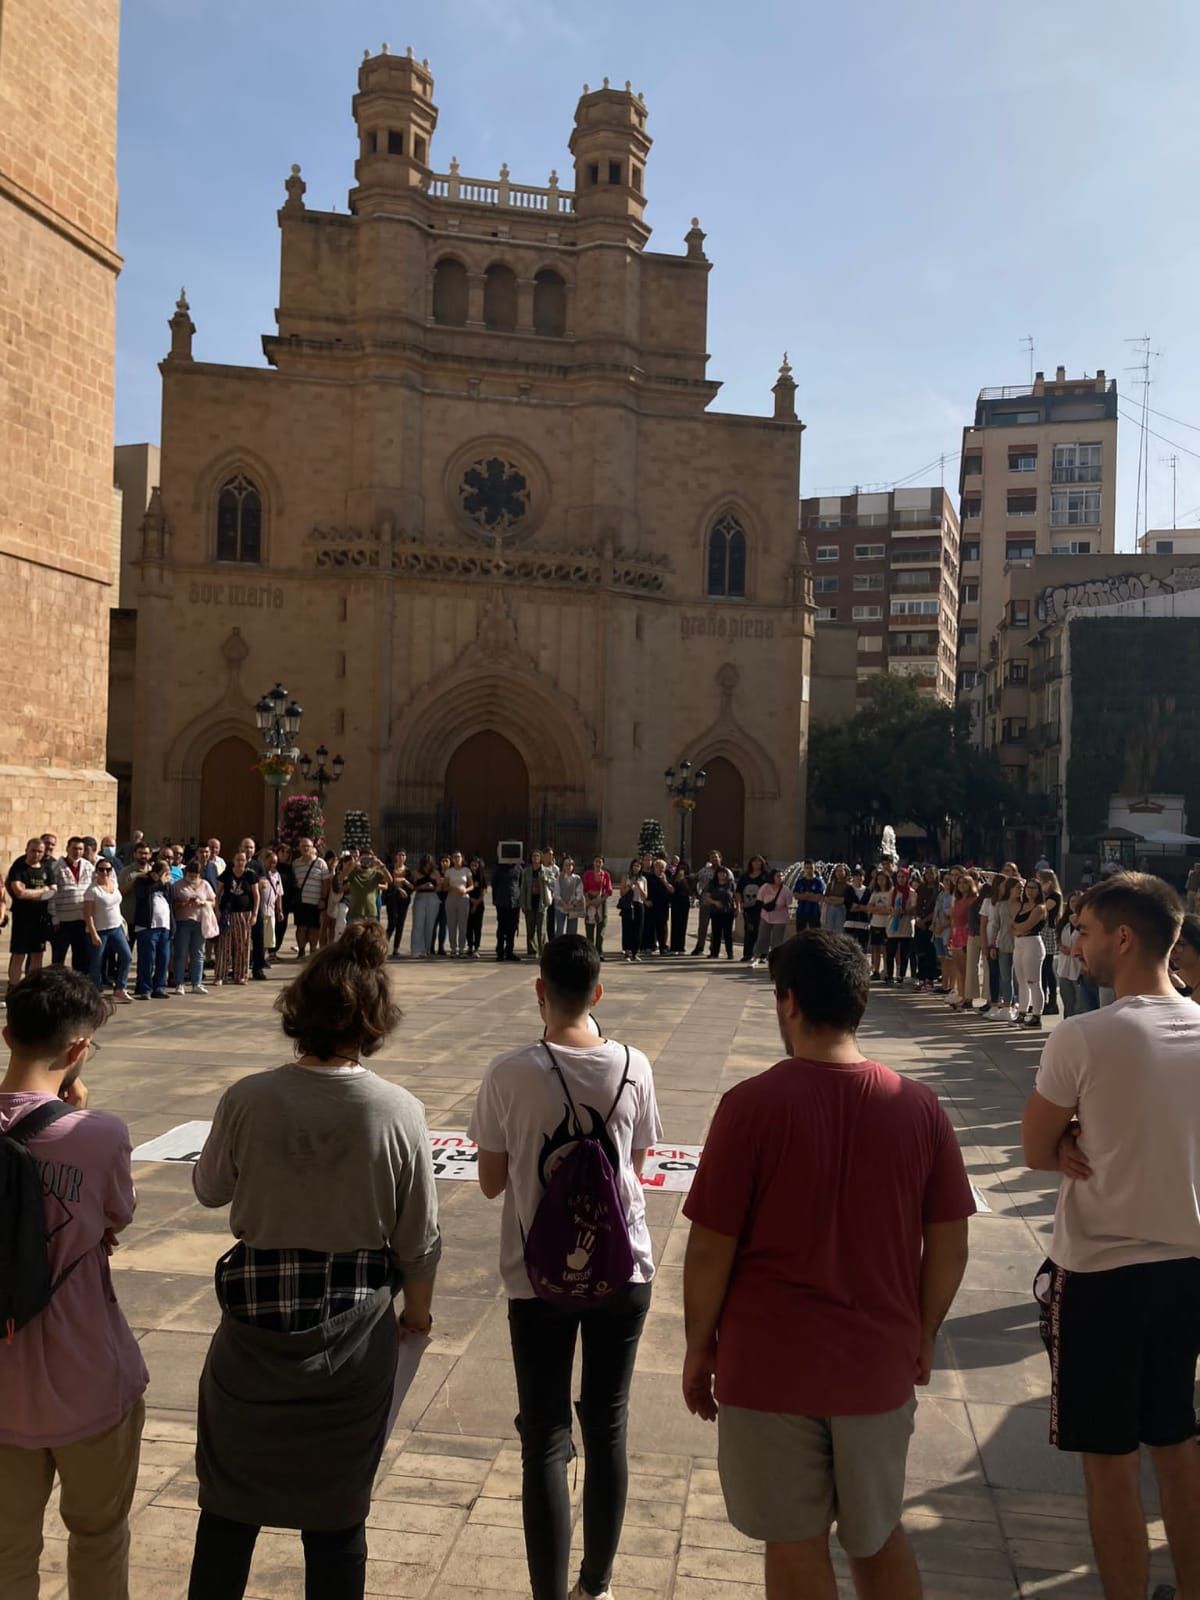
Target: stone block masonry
<point x="58" y="85"/>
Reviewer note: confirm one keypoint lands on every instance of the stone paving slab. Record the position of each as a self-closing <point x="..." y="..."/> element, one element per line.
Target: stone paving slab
<point x="994" y="1513"/>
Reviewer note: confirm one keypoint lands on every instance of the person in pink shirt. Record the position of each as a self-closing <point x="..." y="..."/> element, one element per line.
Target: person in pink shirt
<point x="597" y="887"/>
<point x="774" y="914"/>
<point x="72" y="1377"/>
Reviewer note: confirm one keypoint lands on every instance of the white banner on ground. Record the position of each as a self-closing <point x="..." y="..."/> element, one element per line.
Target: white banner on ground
<point x="669" y="1168"/>
<point x="183" y="1143"/>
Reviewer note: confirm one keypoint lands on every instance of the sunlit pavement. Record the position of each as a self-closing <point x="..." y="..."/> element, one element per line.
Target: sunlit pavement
<point x="992" y="1510"/>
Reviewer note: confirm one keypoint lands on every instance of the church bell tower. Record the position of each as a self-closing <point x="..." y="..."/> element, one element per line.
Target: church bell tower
<point x="396" y="117"/>
<point x="610" y="144"/>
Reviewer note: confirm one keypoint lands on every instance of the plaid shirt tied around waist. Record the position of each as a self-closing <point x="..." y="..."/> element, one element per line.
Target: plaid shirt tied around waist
<point x="290" y="1291"/>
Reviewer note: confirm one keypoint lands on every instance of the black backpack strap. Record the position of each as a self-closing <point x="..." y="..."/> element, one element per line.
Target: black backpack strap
<point x="555" y="1066"/>
<point x="567" y="1092"/>
<point x="621" y="1090"/>
<point x="38" y="1120"/>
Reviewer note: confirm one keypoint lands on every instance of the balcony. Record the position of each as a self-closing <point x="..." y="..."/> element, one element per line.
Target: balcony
<point x="1046" y="672"/>
<point x="1076" y="474"/>
<point x="915" y="652"/>
<point x="925" y="556"/>
<point x="1045" y="736"/>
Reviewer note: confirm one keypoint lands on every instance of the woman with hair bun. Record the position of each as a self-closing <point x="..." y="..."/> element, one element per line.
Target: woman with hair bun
<point x="327" y="1169"/>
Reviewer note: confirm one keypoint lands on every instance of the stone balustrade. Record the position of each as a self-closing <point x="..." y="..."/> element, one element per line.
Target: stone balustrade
<point x="500" y="191"/>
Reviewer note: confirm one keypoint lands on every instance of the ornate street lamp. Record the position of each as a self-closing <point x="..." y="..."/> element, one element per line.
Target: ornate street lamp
<point x="322" y="775"/>
<point x="683" y="789"/>
<point x="278" y="721"/>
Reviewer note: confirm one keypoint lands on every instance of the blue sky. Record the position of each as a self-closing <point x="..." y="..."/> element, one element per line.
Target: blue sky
<point x="896" y="194"/>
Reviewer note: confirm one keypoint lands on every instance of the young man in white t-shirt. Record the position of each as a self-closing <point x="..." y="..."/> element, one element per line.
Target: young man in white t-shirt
<point x="523" y="1127"/>
<point x="1116" y="1110"/>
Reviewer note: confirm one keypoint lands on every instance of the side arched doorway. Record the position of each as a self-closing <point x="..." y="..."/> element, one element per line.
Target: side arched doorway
<point x="231" y="793"/>
<point x="486" y="796"/>
<point x="719" y="820"/>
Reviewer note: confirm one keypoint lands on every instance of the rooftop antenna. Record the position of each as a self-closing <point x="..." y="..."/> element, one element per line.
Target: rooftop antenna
<point x="1173" y="463"/>
<point x="1141" y="498"/>
<point x="1027" y="341"/>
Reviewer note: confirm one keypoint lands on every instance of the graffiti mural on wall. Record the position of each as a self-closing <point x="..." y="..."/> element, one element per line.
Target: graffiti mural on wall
<point x="1056" y="601"/>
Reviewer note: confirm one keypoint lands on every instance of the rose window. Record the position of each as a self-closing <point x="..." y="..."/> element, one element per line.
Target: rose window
<point x="494" y="494"/>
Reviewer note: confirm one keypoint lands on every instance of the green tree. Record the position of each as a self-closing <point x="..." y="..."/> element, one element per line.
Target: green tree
<point x="905" y="758"/>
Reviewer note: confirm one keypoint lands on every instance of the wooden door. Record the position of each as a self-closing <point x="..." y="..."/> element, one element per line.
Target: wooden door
<point x="719" y="820"/>
<point x="487" y="795"/>
<point x="232" y="794"/>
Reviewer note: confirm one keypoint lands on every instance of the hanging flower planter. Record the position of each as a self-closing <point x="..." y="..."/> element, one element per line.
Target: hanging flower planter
<point x="275" y="770"/>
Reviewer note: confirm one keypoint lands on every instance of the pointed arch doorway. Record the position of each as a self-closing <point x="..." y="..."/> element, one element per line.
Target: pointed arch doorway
<point x="719" y="820"/>
<point x="232" y="794"/>
<point x="486" y="794"/>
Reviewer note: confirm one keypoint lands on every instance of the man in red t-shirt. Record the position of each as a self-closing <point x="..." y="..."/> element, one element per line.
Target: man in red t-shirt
<point x="829" y="1238"/>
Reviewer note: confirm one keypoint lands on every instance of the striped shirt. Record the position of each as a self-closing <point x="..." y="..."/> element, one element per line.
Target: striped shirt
<point x="68" y="900"/>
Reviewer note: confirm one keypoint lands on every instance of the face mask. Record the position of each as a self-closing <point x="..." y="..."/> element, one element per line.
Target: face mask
<point x="109" y="853"/>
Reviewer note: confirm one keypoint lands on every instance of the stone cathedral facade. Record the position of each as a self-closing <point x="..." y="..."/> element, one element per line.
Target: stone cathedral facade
<point x="476" y="514"/>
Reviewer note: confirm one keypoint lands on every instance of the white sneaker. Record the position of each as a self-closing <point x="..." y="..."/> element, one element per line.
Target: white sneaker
<point x="197" y="988"/>
<point x="179" y="989"/>
<point x="580" y="1593"/>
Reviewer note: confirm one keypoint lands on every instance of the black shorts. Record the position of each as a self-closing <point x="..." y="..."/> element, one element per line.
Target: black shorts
<point x="30" y="929"/>
<point x="879" y="936"/>
<point x="1123" y="1347"/>
<point x="308" y="916"/>
<point x="859" y="935"/>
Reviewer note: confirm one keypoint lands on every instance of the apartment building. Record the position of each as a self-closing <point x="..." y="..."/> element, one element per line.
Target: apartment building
<point x="888" y="565"/>
<point x="1021" y="709"/>
<point x="1038" y="478"/>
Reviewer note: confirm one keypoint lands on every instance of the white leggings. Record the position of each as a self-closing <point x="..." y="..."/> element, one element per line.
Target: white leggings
<point x="1028" y="954"/>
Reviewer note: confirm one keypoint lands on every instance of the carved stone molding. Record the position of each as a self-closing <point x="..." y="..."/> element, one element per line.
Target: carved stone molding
<point x="635" y="572"/>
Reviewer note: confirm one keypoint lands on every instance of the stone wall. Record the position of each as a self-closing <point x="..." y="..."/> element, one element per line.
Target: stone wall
<point x="58" y="77"/>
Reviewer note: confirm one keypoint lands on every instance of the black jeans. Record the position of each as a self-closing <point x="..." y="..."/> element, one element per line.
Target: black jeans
<point x="508" y="920"/>
<point x="335" y="1564"/>
<point x="1049" y="983"/>
<point x="898" y="951"/>
<point x="543" y="1345"/>
<point x="720" y="927"/>
<point x="397" y="915"/>
<point x="475" y="925"/>
<point x="749" y="931"/>
<point x="72" y="936"/>
<point x="925" y="964"/>
<point x="258" y="950"/>
<point x="632" y="918"/>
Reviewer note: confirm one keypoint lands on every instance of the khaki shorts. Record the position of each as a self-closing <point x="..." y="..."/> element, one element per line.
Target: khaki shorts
<point x="787" y="1478"/>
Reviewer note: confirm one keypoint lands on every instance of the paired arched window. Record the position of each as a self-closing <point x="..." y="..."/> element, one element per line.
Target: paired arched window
<point x="727" y="558"/>
<point x="500" y="297"/>
<point x="501" y="304"/>
<point x="450" y="292"/>
<point x="549" y="304"/>
<point x="239" y="521"/>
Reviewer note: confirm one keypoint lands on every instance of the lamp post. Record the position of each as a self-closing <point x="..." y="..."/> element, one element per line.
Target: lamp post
<point x="278" y="720"/>
<point x="322" y="776"/>
<point x="683" y="789"/>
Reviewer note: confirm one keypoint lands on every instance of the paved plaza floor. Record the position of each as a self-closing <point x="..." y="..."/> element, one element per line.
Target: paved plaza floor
<point x="992" y="1510"/>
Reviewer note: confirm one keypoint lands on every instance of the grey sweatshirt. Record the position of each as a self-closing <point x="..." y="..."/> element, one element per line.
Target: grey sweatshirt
<point x="324" y="1161"/>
